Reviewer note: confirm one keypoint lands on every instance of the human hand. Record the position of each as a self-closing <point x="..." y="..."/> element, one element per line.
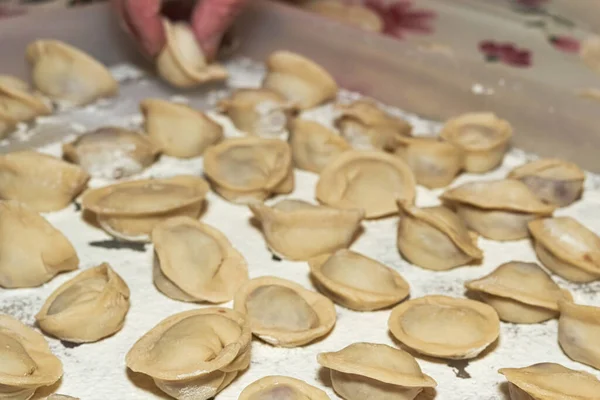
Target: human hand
<point x="209" y="19"/>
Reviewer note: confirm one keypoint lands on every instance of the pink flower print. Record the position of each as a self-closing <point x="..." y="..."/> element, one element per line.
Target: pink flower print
<point x="564" y="43"/>
<point x="506" y="53"/>
<point x="400" y="17"/>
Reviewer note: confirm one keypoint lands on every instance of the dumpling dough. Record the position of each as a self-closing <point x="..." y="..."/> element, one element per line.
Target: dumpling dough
<point x="356" y="281"/>
<point x="445" y="327"/>
<point x="182" y="62"/>
<point x="498" y="210"/>
<point x="281" y="388"/>
<point x="283" y="313"/>
<point x="579" y="332"/>
<point x="375" y="372"/>
<point x="549" y="381"/>
<point x="368" y="180"/>
<point x="554" y="181"/>
<point x="195" y="262"/>
<point x="353" y="14"/>
<point x="43" y="182"/>
<point x="483" y="137"/>
<point x="87" y="308"/>
<point x="178" y="130"/>
<point x="195" y="354"/>
<point x="249" y="169"/>
<point x="435" y="238"/>
<point x="48" y="252"/>
<point x="18" y="104"/>
<point x="301" y="81"/>
<point x="67" y="74"/>
<point x="298" y="230"/>
<point x="130" y="210"/>
<point x="27" y="362"/>
<point x="520" y="292"/>
<point x="111" y="152"/>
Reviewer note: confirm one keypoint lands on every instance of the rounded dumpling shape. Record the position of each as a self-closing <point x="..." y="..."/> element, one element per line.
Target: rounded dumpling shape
<point x="579" y="332"/>
<point x="182" y="62"/>
<point x="567" y="248"/>
<point x="177" y="129"/>
<point x="18" y="104"/>
<point x="42" y="182"/>
<point x="314" y="146"/>
<point x="283" y="313"/>
<point x="195" y="262"/>
<point x="483" y="137"/>
<point x="249" y="169"/>
<point x="301" y="81"/>
<point x="550" y="381"/>
<point x="375" y="371"/>
<point x="445" y="327"/>
<point x="48" y="253"/>
<point x="27" y="362"/>
<point x="67" y="74"/>
<point x="367" y="127"/>
<point x="357" y="282"/>
<point x="353" y="14"/>
<point x="281" y="388"/>
<point x="372" y="181"/>
<point x="552" y="180"/>
<point x="87" y="308"/>
<point x="111" y="152"/>
<point x="198" y="351"/>
<point x="520" y="292"/>
<point x="130" y="210"/>
<point x="497" y="209"/>
<point x="435" y="238"/>
<point x="298" y="230"/>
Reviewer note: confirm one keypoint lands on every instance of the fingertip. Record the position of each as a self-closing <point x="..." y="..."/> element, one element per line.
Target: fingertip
<point x="144" y="21"/>
<point x="211" y="19"/>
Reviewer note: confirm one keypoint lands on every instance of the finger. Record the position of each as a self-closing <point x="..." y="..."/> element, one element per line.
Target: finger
<point x="144" y="21"/>
<point x="211" y="18"/>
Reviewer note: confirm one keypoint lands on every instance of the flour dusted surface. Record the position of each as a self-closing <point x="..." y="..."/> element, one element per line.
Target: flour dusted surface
<point x="97" y="371"/>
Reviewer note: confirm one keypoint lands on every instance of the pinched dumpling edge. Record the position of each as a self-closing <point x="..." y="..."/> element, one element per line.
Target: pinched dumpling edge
<point x="233" y="260"/>
<point x="446" y="350"/>
<point x="258" y="386"/>
<point x="321" y="305"/>
<point x="452" y="127"/>
<point x="355" y="298"/>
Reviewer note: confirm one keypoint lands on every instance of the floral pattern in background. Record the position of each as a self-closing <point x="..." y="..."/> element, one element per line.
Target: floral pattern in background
<point x="402" y="17"/>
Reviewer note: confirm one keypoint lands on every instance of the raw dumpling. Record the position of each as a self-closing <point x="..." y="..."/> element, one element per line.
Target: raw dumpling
<point x="182" y="62"/>
<point x="130" y="210"/>
<point x="178" y="130"/>
<point x="579" y="332"/>
<point x="367" y="127"/>
<point x="434" y="162"/>
<point x="194" y="354"/>
<point x="60" y="397"/>
<point x="67" y="74"/>
<point x="445" y="327"/>
<point x="567" y="248"/>
<point x="297" y="230"/>
<point x="281" y="388"/>
<point x="18" y="104"/>
<point x="353" y="14"/>
<point x="195" y="262"/>
<point x="498" y="210"/>
<point x="356" y="281"/>
<point x="520" y="292"/>
<point x="249" y="169"/>
<point x="27" y="362"/>
<point x="376" y="372"/>
<point x="435" y="238"/>
<point x="301" y="81"/>
<point x="549" y="381"/>
<point x="314" y="145"/>
<point x="87" y="308"/>
<point x="111" y="152"/>
<point x="42" y="182"/>
<point x="258" y="112"/>
<point x="553" y="181"/>
<point x="368" y="180"/>
<point x="283" y="313"/>
<point x="32" y="250"/>
<point x="483" y="137"/>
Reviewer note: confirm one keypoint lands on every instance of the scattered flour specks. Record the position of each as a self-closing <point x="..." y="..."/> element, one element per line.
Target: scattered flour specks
<point x="97" y="371"/>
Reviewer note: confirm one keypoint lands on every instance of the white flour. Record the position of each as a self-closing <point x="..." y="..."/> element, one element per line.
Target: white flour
<point x="97" y="371"/>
